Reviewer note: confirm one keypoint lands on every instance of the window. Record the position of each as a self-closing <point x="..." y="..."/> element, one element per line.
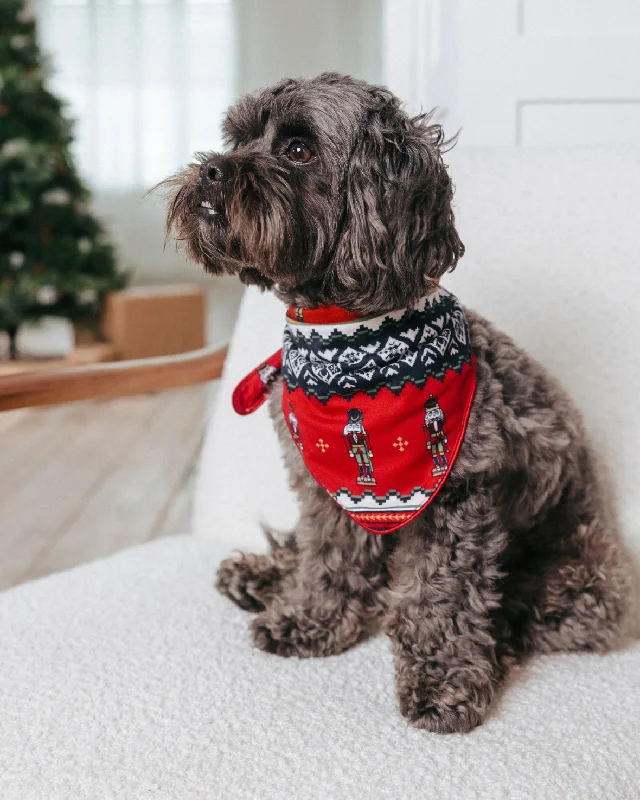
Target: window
<point x="147" y="82"/>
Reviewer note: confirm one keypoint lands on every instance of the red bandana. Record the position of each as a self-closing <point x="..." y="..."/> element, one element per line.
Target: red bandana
<point x="377" y="406"/>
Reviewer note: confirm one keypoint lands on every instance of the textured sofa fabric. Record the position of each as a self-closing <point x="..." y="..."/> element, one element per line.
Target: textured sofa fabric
<point x="131" y="678"/>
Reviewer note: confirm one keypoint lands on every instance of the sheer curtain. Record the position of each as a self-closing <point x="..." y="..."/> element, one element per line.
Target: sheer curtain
<point x="147" y="82"/>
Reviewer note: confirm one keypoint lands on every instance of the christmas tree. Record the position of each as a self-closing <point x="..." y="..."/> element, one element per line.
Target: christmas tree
<point x="54" y="256"/>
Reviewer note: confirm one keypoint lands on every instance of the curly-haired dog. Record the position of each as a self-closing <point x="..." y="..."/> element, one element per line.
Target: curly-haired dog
<point x="330" y="194"/>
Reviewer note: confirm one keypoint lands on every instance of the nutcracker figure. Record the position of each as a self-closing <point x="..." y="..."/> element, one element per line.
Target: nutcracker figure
<point x="267" y="373"/>
<point x="295" y="429"/>
<point x="356" y="440"/>
<point x="435" y="435"/>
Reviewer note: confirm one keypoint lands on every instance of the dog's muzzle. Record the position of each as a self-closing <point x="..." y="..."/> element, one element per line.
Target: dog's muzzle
<point x="215" y="174"/>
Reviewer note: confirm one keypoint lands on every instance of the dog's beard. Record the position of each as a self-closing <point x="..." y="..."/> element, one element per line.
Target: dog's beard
<point x="198" y="215"/>
<point x="254" y="226"/>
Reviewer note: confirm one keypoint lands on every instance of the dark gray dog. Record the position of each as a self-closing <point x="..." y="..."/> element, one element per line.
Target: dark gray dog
<point x="330" y="194"/>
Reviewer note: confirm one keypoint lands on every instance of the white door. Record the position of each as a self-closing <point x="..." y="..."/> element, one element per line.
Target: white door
<point x="523" y="72"/>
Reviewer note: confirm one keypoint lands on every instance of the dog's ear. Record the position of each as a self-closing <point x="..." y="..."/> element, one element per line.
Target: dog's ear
<point x="399" y="228"/>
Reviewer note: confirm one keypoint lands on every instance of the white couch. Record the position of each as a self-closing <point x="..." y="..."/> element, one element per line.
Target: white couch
<point x="132" y="678"/>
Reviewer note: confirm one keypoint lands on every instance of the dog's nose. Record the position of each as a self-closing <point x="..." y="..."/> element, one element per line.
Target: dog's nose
<point x="216" y="170"/>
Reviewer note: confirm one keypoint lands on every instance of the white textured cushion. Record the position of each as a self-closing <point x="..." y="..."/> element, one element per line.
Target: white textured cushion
<point x="132" y="678"/>
<point x="553" y="258"/>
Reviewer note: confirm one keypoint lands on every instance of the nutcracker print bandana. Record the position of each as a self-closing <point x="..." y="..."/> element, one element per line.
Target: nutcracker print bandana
<point x="377" y="406"/>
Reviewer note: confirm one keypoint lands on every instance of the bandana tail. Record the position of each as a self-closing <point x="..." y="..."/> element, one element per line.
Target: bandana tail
<point x="253" y="390"/>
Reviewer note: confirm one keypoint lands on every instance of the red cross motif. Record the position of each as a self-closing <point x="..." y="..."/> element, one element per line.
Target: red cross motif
<point x="322" y="445"/>
<point x="401" y="444"/>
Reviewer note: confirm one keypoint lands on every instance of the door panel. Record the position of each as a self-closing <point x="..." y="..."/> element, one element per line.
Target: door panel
<point x="528" y="72"/>
<point x="548" y="72"/>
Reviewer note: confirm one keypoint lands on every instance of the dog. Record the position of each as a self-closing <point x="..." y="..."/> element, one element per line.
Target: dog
<point x="329" y="194"/>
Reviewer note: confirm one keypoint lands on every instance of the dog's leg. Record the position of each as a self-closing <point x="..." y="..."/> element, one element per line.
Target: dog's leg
<point x="573" y="577"/>
<point x="251" y="581"/>
<point x="585" y="595"/>
<point x="441" y="617"/>
<point x="336" y="590"/>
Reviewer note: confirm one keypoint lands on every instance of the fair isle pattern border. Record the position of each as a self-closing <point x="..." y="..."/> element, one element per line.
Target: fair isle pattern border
<point x="389" y="350"/>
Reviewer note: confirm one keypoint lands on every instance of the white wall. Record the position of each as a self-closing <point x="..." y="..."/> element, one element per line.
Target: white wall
<point x="301" y="38"/>
<point x="520" y="72"/>
<point x="136" y="227"/>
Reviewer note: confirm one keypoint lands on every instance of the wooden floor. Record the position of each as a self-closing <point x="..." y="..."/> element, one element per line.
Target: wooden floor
<point x="83" y="480"/>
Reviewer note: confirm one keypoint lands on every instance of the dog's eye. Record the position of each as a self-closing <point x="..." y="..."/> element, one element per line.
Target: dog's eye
<point x="300" y="152"/>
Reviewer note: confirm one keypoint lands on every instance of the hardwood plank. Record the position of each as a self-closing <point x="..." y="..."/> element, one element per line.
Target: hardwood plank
<point x="125" y="506"/>
<point x="12" y="420"/>
<point x="29" y="446"/>
<point x="176" y="517"/>
<point x="44" y="507"/>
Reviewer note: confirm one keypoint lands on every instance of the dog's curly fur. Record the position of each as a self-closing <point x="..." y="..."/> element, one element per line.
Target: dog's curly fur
<point x="518" y="553"/>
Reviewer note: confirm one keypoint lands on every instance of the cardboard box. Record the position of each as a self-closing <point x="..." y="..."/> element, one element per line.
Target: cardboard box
<point x="142" y="322"/>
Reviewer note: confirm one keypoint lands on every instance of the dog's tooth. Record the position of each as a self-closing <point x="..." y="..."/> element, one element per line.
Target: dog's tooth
<point x="206" y="204"/>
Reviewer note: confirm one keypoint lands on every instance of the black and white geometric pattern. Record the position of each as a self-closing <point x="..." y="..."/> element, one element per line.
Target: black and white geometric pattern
<point x="389" y="350"/>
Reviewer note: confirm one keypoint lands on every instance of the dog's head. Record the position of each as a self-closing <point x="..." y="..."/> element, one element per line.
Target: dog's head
<point x="328" y="193"/>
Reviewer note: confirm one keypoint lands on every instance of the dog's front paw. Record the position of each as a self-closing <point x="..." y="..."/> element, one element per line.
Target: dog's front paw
<point x="428" y="714"/>
<point x="445" y="707"/>
<point x="292" y="633"/>
<point x="278" y="637"/>
<point x="285" y="636"/>
<point x="247" y="580"/>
